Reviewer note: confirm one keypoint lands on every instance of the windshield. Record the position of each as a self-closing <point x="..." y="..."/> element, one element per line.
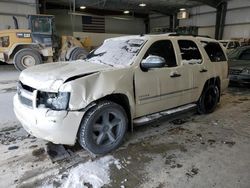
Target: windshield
<point x="116" y="52"/>
<point x="41" y="25"/>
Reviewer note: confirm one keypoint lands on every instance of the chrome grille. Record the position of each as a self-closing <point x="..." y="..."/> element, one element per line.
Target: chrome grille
<point x="25" y="94"/>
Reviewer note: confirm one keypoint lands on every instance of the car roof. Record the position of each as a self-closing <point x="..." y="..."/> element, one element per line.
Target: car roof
<point x="228" y="41"/>
<point x="162" y="36"/>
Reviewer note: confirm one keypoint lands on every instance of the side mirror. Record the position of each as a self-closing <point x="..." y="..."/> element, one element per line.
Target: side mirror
<point x="153" y="61"/>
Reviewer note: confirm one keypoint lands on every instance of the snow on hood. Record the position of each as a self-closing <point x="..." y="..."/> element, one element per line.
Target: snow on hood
<point x="52" y="75"/>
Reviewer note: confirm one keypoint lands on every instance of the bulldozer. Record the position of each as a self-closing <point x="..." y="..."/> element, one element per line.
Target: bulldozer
<point x="39" y="44"/>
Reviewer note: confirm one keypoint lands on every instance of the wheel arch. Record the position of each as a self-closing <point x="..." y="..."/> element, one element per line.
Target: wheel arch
<point x="15" y="48"/>
<point x="123" y="101"/>
<point x="117" y="98"/>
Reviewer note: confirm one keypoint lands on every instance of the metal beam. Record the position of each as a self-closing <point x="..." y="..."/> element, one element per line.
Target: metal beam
<point x="212" y="3"/>
<point x="220" y="20"/>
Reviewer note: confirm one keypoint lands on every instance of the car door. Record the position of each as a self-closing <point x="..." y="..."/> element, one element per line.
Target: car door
<point x="162" y="88"/>
<point x="193" y="62"/>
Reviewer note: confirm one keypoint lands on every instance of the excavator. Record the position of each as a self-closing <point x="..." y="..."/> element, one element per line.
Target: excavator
<point x="39" y="44"/>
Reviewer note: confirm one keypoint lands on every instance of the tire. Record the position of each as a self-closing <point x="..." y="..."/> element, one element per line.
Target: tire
<point x="209" y="99"/>
<point x="78" y="53"/>
<point x="97" y="134"/>
<point x="26" y="58"/>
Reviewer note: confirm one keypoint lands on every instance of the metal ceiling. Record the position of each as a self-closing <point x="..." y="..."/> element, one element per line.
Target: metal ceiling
<point x="107" y="6"/>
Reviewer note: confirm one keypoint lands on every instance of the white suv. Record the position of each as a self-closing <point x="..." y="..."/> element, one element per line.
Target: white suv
<point x="125" y="81"/>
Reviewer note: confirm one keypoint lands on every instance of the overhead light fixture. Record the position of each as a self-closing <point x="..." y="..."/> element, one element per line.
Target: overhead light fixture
<point x="142" y="5"/>
<point x="182" y="9"/>
<point x="126" y="11"/>
<point x="82" y="7"/>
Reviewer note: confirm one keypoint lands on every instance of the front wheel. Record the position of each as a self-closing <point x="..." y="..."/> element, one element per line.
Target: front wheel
<point x="209" y="99"/>
<point x="103" y="128"/>
<point x="25" y="58"/>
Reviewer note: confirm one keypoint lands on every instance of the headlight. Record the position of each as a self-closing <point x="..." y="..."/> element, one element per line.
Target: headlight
<point x="54" y="101"/>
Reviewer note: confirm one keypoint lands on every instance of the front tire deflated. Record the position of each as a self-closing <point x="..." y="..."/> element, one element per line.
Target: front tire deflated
<point x="103" y="128"/>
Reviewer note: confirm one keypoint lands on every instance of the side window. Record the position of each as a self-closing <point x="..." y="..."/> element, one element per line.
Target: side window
<point x="165" y="49"/>
<point x="214" y="51"/>
<point x="231" y="45"/>
<point x="245" y="55"/>
<point x="237" y="44"/>
<point x="189" y="52"/>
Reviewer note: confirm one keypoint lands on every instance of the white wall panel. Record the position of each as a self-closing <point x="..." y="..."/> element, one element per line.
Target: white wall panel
<point x="203" y="16"/>
<point x="159" y="22"/>
<point x="207" y="31"/>
<point x="199" y="20"/>
<point x="133" y="26"/>
<point x="238" y="16"/>
<point x="16" y="8"/>
<point x="238" y="3"/>
<point x="236" y="31"/>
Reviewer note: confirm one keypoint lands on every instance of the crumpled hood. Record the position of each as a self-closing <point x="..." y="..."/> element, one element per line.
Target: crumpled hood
<point x="50" y="76"/>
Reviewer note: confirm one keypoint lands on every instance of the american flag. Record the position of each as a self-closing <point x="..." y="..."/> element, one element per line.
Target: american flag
<point x="94" y="24"/>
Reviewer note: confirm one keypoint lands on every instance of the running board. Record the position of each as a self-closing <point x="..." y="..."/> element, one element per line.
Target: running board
<point x="155" y="116"/>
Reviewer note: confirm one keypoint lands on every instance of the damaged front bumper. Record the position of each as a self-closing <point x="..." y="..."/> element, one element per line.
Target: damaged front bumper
<point x="59" y="127"/>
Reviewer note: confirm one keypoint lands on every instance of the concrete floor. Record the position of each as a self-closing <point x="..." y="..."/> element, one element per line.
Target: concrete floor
<point x="188" y="150"/>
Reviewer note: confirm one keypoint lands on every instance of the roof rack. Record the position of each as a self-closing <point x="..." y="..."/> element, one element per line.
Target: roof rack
<point x="177" y="34"/>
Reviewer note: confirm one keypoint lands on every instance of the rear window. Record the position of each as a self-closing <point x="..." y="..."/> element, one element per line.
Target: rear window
<point x="189" y="52"/>
<point x="214" y="51"/>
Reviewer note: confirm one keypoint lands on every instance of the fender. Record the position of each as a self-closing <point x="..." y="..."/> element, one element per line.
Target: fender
<point x="12" y="49"/>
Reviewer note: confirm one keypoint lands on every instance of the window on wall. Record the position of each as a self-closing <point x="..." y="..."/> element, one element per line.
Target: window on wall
<point x="214" y="51"/>
<point x="164" y="49"/>
<point x="189" y="52"/>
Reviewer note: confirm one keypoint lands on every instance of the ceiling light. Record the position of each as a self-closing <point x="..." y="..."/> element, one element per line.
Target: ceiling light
<point x="182" y="9"/>
<point x="82" y="7"/>
<point x="126" y="11"/>
<point x="142" y="4"/>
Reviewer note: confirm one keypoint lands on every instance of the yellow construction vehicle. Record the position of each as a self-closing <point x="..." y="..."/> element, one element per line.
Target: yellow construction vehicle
<point x="38" y="44"/>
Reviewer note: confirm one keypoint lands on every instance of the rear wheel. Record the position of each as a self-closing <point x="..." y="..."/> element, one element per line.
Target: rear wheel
<point x="103" y="128"/>
<point x="209" y="99"/>
<point x="26" y="58"/>
<point x="78" y="53"/>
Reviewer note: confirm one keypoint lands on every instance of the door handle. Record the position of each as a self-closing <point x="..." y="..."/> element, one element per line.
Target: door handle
<point x="174" y="75"/>
<point x="203" y="70"/>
